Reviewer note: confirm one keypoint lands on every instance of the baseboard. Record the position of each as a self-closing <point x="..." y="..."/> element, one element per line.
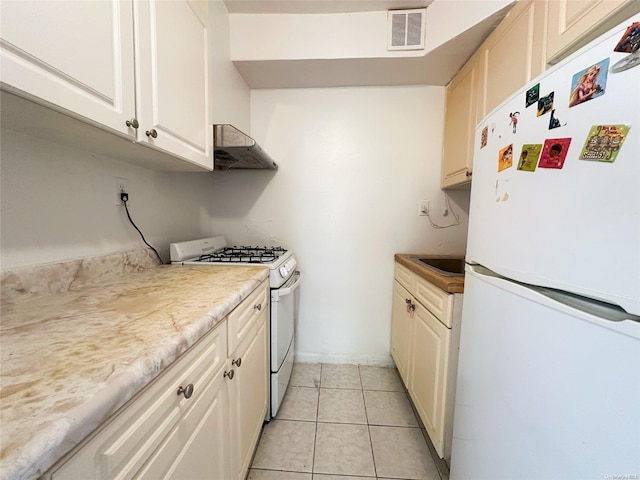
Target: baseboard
<point x="372" y="360"/>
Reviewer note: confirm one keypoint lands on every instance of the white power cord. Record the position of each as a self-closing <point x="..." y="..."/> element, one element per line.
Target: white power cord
<point x="445" y="213"/>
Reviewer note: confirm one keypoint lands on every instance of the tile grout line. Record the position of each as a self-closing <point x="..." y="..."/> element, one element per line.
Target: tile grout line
<point x="430" y="448"/>
<point x="315" y="434"/>
<point x="366" y="414"/>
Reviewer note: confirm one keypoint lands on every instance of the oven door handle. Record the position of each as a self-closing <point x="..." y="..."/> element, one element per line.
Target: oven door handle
<point x="287" y="290"/>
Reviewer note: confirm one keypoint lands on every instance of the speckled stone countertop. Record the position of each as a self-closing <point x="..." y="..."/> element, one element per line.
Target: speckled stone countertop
<point x="450" y="284"/>
<point x="75" y="346"/>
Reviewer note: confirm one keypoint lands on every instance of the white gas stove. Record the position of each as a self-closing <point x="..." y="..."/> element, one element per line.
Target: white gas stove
<point x="284" y="281"/>
<point x="214" y="250"/>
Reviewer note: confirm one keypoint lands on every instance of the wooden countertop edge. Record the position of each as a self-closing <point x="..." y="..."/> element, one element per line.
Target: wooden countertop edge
<point x="453" y="284"/>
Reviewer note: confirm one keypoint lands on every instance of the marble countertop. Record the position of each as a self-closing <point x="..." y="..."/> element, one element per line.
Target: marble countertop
<point x="450" y="284"/>
<point x="71" y="358"/>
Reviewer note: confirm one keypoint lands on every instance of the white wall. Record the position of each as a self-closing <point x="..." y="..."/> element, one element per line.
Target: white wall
<point x="229" y="94"/>
<point x="347" y="35"/>
<point x="58" y="203"/>
<point x="354" y="164"/>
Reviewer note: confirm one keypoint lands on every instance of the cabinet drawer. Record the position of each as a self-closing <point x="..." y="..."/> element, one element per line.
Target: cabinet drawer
<point x="436" y="300"/>
<point x="123" y="445"/>
<point x="404" y="276"/>
<point x="246" y="315"/>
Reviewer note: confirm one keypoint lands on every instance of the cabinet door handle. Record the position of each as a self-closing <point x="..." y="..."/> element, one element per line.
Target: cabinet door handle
<point x="237" y="362"/>
<point x="411" y="307"/>
<point x="133" y="123"/>
<point x="229" y="374"/>
<point x="257" y="307"/>
<point x="469" y="173"/>
<point x="152" y="133"/>
<point x="186" y="391"/>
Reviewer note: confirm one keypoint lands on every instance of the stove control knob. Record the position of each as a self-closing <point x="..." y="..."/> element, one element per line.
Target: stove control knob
<point x="283" y="272"/>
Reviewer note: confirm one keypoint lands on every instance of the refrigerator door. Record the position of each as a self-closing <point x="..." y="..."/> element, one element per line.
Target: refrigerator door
<point x="574" y="228"/>
<point x="545" y="391"/>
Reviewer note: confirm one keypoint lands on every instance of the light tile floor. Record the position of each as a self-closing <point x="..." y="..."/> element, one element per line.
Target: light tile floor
<point x="345" y="422"/>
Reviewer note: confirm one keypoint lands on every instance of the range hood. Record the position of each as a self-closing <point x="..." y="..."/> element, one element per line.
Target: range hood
<point x="235" y="149"/>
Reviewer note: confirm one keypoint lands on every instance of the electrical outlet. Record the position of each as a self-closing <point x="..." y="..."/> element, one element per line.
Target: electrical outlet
<point x="423" y="208"/>
<point x="122" y="185"/>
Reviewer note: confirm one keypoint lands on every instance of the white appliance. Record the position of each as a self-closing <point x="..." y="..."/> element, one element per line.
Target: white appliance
<point x="284" y="283"/>
<point x="549" y="368"/>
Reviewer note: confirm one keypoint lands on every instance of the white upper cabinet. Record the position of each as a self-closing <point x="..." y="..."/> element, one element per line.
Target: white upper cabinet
<point x="172" y="73"/>
<point x="459" y="125"/>
<point x="75" y="55"/>
<point x="512" y="55"/>
<point x="574" y="23"/>
<point x="135" y="69"/>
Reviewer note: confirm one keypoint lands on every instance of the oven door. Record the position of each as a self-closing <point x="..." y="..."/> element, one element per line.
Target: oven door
<point x="284" y="312"/>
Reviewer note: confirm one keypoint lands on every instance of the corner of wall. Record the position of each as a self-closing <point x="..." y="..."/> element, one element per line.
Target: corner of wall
<point x="230" y="102"/>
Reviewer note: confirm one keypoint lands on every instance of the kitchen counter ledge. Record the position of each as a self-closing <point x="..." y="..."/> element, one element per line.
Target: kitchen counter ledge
<point x="450" y="284"/>
<point x="70" y="359"/>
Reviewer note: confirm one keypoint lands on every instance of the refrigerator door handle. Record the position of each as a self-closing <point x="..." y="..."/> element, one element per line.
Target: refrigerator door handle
<point x="588" y="306"/>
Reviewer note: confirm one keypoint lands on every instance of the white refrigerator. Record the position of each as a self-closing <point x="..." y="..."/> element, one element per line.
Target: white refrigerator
<point x="549" y="369"/>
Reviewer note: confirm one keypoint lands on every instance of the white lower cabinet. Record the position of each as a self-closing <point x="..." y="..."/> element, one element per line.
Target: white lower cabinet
<point x="425" y="333"/>
<point x="248" y="389"/>
<point x="401" y="330"/>
<point x="248" y="394"/>
<point x="201" y="418"/>
<point x="431" y="344"/>
<point x="197" y="447"/>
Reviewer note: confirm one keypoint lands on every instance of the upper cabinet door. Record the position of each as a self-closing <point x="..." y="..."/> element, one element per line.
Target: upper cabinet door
<point x="76" y="56"/>
<point x="513" y="54"/>
<point x="459" y="126"/>
<point x="574" y="23"/>
<point x="172" y="79"/>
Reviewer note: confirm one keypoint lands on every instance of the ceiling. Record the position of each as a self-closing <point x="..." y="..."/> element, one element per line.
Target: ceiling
<point x="437" y="67"/>
<point x="320" y="6"/>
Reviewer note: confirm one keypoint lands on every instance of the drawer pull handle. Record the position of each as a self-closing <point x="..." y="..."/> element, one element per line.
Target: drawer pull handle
<point x="186" y="391"/>
<point x="257" y="307"/>
<point x="229" y="374"/>
<point x="237" y="362"/>
<point x="133" y="123"/>
<point x="152" y="133"/>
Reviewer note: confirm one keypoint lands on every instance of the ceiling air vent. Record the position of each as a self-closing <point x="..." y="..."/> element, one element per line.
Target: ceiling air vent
<point x="406" y="29"/>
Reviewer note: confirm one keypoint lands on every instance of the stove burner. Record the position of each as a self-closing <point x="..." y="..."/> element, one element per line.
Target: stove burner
<point x="244" y="255"/>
